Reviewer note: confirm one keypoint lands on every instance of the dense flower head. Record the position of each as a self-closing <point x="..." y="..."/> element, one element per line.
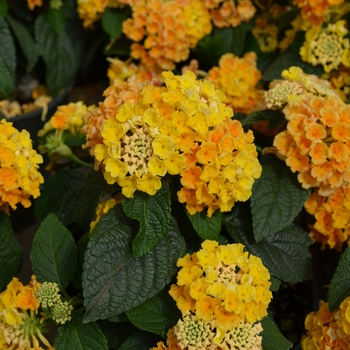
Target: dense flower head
<point x="48" y="294"/>
<point x="327" y="46"/>
<point x="91" y="10"/>
<point x="340" y="81"/>
<point x="61" y="312"/>
<point x="328" y="330"/>
<point x="237" y="79"/>
<point x="332" y="214"/>
<point x="266" y="35"/>
<point x="169" y="29"/>
<point x="222" y="285"/>
<point x="19" y="167"/>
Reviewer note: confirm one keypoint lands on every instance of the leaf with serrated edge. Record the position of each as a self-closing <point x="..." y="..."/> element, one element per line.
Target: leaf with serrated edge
<point x="277" y="198"/>
<point x="54" y="253"/>
<point x="10" y="252"/>
<point x="140" y="341"/>
<point x="272" y="338"/>
<point x="113" y="281"/>
<point x="75" y="335"/>
<point x="59" y="195"/>
<point x="284" y="253"/>
<point x="154" y="213"/>
<point x="340" y="284"/>
<point x="7" y="48"/>
<point x="156" y="315"/>
<point x="6" y="81"/>
<point x="207" y="228"/>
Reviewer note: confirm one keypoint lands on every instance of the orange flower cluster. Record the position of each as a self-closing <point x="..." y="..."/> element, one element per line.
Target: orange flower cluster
<point x="315" y="11"/>
<point x="169" y="28"/>
<point x="226" y="13"/>
<point x="328" y="330"/>
<point x="332" y="216"/>
<point x="237" y="79"/>
<point x="316" y="143"/>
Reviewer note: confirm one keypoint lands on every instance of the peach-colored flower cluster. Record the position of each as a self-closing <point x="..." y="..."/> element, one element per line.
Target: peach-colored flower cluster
<point x="328" y="330"/>
<point x="169" y="30"/>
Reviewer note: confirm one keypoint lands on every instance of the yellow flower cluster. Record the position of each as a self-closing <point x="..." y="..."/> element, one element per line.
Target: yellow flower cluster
<point x="19" y="326"/>
<point x="237" y="79"/>
<point x="169" y="30"/>
<point x="327" y="46"/>
<point x="19" y="167"/>
<point x="340" y="81"/>
<point x="332" y="216"/>
<point x="328" y="330"/>
<point x="226" y="13"/>
<point x="91" y="10"/>
<point x="266" y="35"/>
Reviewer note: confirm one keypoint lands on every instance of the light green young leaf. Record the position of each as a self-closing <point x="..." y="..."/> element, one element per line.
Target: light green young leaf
<point x="54" y="253"/>
<point x="57" y="20"/>
<point x="272" y="338"/>
<point x="206" y="228"/>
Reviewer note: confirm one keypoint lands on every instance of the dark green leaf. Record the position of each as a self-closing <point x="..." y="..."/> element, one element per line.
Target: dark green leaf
<point x="285" y="18"/>
<point x="113" y="281"/>
<point x="140" y="341"/>
<point x="277" y="198"/>
<point x="119" y="318"/>
<point x="25" y="40"/>
<point x="207" y="228"/>
<point x="54" y="253"/>
<point x="121" y="47"/>
<point x="3" y="8"/>
<point x="58" y="53"/>
<point x="273" y="118"/>
<point x="75" y="335"/>
<point x="75" y="31"/>
<point x="272" y="338"/>
<point x="6" y="81"/>
<point x="284" y="253"/>
<point x="154" y="214"/>
<point x="69" y="8"/>
<point x="10" y="252"/>
<point x="57" y="20"/>
<point x="7" y="48"/>
<point x="112" y="21"/>
<point x="21" y="9"/>
<point x="156" y="315"/>
<point x="340" y="284"/>
<point x="84" y="210"/>
<point x="275" y="284"/>
<point x="81" y="249"/>
<point x="59" y="195"/>
<point x="298" y="42"/>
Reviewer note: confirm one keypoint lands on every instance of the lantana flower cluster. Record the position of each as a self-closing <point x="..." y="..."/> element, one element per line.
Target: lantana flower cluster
<point x="328" y="330"/>
<point x="19" y="167"/>
<point x="222" y="293"/>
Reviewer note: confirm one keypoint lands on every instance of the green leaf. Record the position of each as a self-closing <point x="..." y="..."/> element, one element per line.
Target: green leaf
<point x="207" y="228"/>
<point x="284" y="253"/>
<point x="154" y="214"/>
<point x="69" y="8"/>
<point x="81" y="249"/>
<point x="156" y="315"/>
<point x="272" y="338"/>
<point x="140" y="341"/>
<point x="112" y="21"/>
<point x="277" y="198"/>
<point x="113" y="281"/>
<point x="25" y="41"/>
<point x="273" y="118"/>
<point x="275" y="284"/>
<point x="59" y="195"/>
<point x="3" y="8"/>
<point x="58" y="53"/>
<point x="340" y="283"/>
<point x="84" y="210"/>
<point x="6" y="81"/>
<point x="10" y="252"/>
<point x="57" y="20"/>
<point x="7" y="48"/>
<point x="234" y="38"/>
<point x="78" y="336"/>
<point x="54" y="253"/>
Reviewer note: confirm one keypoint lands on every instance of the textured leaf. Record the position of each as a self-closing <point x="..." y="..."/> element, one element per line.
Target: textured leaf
<point x="284" y="253"/>
<point x="57" y="20"/>
<point x="154" y="214"/>
<point x="275" y="284"/>
<point x="113" y="281"/>
<point x="81" y="249"/>
<point x="156" y="315"/>
<point x="273" y="118"/>
<point x="277" y="198"/>
<point x="10" y="252"/>
<point x="58" y="53"/>
<point x="7" y="48"/>
<point x="25" y="40"/>
<point x="140" y="341"/>
<point x="207" y="228"/>
<point x="54" y="253"/>
<point x="59" y="195"/>
<point x="340" y="284"/>
<point x="84" y="210"/>
<point x="75" y="335"/>
<point x="112" y="21"/>
<point x="272" y="338"/>
<point x="6" y="81"/>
